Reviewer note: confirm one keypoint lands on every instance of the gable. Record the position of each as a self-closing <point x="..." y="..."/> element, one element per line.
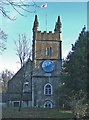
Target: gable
<point x="15" y="84"/>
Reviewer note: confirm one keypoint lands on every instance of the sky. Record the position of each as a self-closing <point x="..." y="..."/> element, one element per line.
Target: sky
<point x="73" y="17"/>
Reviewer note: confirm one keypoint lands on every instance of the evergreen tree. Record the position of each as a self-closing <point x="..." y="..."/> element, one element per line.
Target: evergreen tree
<point x="74" y="72"/>
<point x="75" y="75"/>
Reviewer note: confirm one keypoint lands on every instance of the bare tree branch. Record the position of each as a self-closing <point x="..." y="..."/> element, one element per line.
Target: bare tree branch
<point x="17" y="6"/>
<point x="5" y="76"/>
<point x="3" y="39"/>
<point x="22" y="48"/>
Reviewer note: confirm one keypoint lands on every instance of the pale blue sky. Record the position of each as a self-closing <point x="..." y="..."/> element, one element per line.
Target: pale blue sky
<point x="73" y="17"/>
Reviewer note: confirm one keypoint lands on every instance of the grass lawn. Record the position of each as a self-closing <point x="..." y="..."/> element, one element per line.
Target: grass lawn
<point x="35" y="113"/>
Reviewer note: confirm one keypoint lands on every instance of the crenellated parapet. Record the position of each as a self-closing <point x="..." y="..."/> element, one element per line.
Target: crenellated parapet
<point x="47" y="35"/>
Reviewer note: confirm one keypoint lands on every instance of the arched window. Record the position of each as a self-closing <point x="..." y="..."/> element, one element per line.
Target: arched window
<point x="26" y="87"/>
<point x="48" y="89"/>
<point x="48" y="104"/>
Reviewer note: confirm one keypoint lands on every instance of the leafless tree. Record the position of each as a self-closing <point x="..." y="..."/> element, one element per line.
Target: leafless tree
<point x="5" y="76"/>
<point x="24" y="53"/>
<point x="18" y="6"/>
<point x="22" y="48"/>
<point x="3" y="39"/>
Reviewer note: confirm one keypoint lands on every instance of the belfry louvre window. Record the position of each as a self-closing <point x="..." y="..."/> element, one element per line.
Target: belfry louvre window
<point x="49" y="51"/>
<point x="48" y="89"/>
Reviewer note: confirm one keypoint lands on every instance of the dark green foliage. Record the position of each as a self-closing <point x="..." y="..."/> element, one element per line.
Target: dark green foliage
<point x="75" y="77"/>
<point x="88" y="65"/>
<point x="74" y="72"/>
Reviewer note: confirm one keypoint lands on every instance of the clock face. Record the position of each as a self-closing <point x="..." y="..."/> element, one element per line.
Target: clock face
<point x="48" y="66"/>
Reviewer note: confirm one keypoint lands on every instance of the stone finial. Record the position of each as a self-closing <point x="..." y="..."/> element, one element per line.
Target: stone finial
<point x="58" y="25"/>
<point x="35" y="25"/>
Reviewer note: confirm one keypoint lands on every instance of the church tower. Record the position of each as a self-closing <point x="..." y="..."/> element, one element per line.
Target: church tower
<point x="47" y="62"/>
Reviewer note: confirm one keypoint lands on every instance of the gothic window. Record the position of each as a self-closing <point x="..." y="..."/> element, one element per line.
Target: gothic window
<point x="48" y="89"/>
<point x="48" y="104"/>
<point x="49" y="51"/>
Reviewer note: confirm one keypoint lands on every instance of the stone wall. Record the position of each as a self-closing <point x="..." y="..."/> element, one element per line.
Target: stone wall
<point x="39" y="97"/>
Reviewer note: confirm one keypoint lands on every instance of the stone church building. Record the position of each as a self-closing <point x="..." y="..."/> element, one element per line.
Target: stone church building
<point x="36" y="83"/>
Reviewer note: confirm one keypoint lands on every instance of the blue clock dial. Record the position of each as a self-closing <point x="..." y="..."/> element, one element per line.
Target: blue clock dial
<point x="48" y="66"/>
